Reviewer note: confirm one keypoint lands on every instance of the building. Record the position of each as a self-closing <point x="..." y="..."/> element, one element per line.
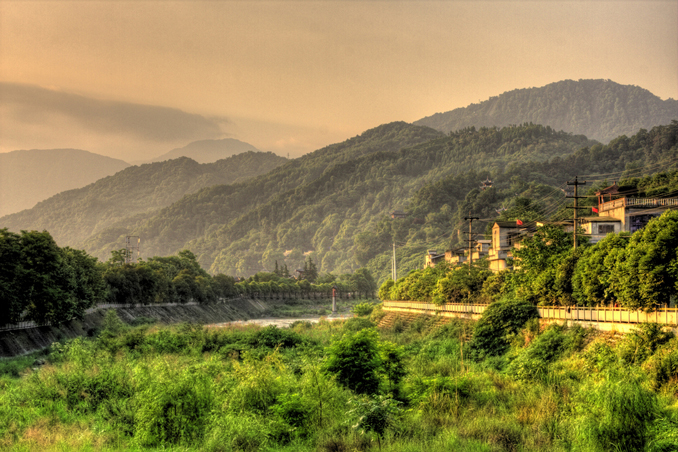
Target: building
<point x="398" y="214"/>
<point x="432" y="258"/>
<point x="633" y="213"/>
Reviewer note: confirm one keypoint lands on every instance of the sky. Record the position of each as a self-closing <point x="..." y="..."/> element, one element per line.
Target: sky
<point x="132" y="80"/>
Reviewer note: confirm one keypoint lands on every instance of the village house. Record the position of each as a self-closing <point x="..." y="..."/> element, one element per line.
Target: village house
<point x="633" y="213"/>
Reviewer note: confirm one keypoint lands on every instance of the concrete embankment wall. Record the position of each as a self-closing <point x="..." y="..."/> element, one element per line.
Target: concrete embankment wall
<point x="22" y="341"/>
<point x="602" y="318"/>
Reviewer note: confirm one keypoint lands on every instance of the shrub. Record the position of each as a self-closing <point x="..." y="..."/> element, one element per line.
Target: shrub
<point x="643" y="341"/>
<point x="363" y="309"/>
<point x="355" y="361"/>
<point x="497" y="326"/>
<point x="533" y="362"/>
<point x="357" y="324"/>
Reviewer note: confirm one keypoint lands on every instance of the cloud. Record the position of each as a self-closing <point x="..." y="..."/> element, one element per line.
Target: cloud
<point x="31" y="105"/>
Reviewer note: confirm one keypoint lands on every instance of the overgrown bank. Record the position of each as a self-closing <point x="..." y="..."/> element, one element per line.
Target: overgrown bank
<point x="499" y="384"/>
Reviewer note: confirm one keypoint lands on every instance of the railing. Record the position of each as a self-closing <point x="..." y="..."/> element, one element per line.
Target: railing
<point x="638" y="202"/>
<point x="664" y="316"/>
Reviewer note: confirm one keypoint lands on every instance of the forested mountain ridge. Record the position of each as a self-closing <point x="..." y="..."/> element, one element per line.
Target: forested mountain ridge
<point x="320" y="208"/>
<point x="30" y="176"/>
<point x="74" y="215"/>
<point x="203" y="212"/>
<point x="600" y="109"/>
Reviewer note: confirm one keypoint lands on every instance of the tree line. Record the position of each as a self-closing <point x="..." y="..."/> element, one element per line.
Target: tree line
<point x="635" y="271"/>
<point x="45" y="283"/>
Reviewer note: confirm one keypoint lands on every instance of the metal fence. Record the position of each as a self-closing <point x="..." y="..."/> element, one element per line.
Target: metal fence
<point x="664" y="316"/>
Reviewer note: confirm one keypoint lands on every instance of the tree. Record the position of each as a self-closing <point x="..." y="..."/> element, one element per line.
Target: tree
<point x="646" y="274"/>
<point x="591" y="283"/>
<point x="12" y="303"/>
<point x="356" y="361"/>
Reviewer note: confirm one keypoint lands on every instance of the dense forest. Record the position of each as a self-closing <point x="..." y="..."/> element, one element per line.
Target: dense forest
<point x="334" y="204"/>
<point x="600" y="109"/>
<point x="115" y="201"/>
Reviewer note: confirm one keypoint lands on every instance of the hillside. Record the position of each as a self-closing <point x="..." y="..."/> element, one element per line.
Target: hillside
<point x="75" y="215"/>
<point x="322" y="203"/>
<point x="208" y="151"/>
<point x="29" y="176"/>
<point x="600" y="109"/>
<point x="205" y="211"/>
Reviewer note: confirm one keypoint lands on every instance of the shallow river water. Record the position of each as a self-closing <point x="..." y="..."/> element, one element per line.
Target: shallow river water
<point x="277" y="322"/>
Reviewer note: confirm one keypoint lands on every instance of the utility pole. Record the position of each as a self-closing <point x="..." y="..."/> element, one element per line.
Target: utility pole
<point x="394" y="269"/>
<point x="576" y="184"/>
<point x="470" y="239"/>
<point x="131" y="247"/>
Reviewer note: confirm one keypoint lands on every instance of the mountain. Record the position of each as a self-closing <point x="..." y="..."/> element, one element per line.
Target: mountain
<point x="334" y="204"/>
<point x="321" y="202"/>
<point x="208" y="151"/>
<point x="203" y="212"/>
<point x="600" y="109"/>
<point x="29" y="176"/>
<point x="117" y="201"/>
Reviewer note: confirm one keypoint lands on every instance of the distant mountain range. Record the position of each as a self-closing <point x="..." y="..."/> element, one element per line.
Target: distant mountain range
<point x="600" y="109"/>
<point x="29" y="176"/>
<point x="207" y="151"/>
<point x="333" y="204"/>
<point x="116" y="201"/>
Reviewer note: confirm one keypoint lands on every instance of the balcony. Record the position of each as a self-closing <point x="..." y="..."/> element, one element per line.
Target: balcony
<point x="637" y="202"/>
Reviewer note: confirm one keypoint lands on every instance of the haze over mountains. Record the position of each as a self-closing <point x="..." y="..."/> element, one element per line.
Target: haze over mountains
<point x="334" y="202"/>
<point x="600" y="109"/>
<point x="74" y="215"/>
<point x="207" y="151"/>
<point x="29" y="176"/>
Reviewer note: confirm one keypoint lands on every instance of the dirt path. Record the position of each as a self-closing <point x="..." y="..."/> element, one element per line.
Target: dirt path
<point x="277" y="322"/>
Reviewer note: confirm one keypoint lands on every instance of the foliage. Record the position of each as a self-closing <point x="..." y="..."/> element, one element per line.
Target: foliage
<point x="374" y="415"/>
<point x="497" y="326"/>
<point x="591" y="281"/>
<point x="617" y="413"/>
<point x="363" y="309"/>
<point x="646" y="275"/>
<point x="43" y="282"/>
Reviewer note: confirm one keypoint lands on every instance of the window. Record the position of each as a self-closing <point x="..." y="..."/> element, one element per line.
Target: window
<point x="605" y="228"/>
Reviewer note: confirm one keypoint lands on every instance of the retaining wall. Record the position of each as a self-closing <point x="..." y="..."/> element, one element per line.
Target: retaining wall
<point x="21" y="341"/>
<point x="601" y="318"/>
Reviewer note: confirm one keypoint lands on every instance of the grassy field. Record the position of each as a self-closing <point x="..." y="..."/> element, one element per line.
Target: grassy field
<point x="346" y="385"/>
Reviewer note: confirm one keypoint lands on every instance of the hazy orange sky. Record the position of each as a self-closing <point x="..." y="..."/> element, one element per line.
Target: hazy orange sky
<point x="132" y="80"/>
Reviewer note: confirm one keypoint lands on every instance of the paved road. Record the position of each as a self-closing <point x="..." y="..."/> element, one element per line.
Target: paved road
<point x="277" y="322"/>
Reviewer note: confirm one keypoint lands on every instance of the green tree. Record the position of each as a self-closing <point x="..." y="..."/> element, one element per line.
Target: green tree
<point x="356" y="361"/>
<point x="646" y="275"/>
<point x="12" y="303"/>
<point x="591" y="284"/>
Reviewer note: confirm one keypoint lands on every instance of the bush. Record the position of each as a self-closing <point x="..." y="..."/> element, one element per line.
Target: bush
<point x="173" y="406"/>
<point x="355" y="361"/>
<point x="363" y="309"/>
<point x="500" y="322"/>
<point x="642" y="342"/>
<point x="357" y="324"/>
<point x="533" y="362"/>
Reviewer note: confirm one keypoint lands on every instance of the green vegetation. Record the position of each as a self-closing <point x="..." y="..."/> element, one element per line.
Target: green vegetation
<point x="115" y="201"/>
<point x="338" y="386"/>
<point x="51" y="285"/>
<point x="599" y="109"/>
<point x="639" y="271"/>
